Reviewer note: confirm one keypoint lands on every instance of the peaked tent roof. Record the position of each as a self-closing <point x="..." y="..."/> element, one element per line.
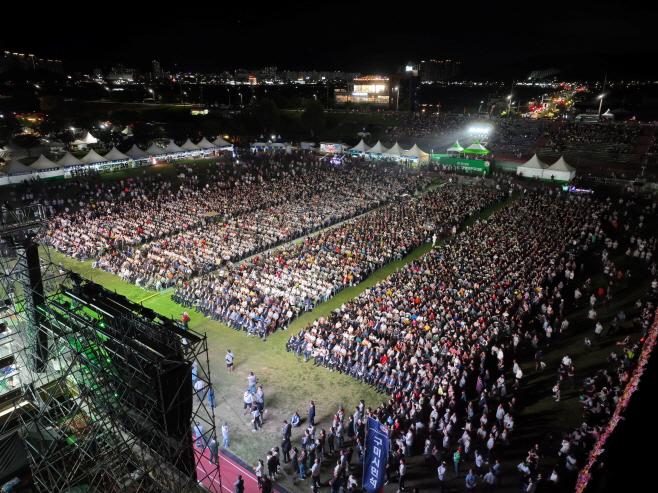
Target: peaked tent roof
<point x="378" y="148"/>
<point x="69" y="159"/>
<point x="14" y="166"/>
<point x="396" y="150"/>
<point x="261" y="139"/>
<point x="561" y="165"/>
<point x="455" y="147"/>
<point x="93" y="157"/>
<point x="219" y="142"/>
<point x="115" y="155"/>
<point x="136" y="153"/>
<point x="416" y="151"/>
<point x="127" y="130"/>
<point x="89" y="139"/>
<point x="190" y="146"/>
<point x="535" y="163"/>
<point x="476" y="148"/>
<point x="361" y="147"/>
<point x="363" y="133"/>
<point x="154" y="150"/>
<point x="205" y="144"/>
<point x="172" y="147"/>
<point x="44" y="163"/>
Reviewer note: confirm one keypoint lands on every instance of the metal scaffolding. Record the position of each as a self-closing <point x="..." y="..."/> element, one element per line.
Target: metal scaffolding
<point x="100" y="387"/>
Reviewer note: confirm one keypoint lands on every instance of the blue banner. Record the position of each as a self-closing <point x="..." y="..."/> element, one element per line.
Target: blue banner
<point x="375" y="457"/>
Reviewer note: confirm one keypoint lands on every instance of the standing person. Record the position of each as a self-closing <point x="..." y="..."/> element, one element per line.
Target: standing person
<point x="311" y="414"/>
<point x="239" y="485"/>
<point x="433" y="240"/>
<point x="271" y="465"/>
<point x="295" y="461"/>
<point x="214" y="451"/>
<point x="260" y="399"/>
<point x="259" y="473"/>
<point x="251" y="378"/>
<point x="330" y="440"/>
<point x="403" y="472"/>
<point x="556" y="390"/>
<point x="198" y="434"/>
<point x="199" y="386"/>
<point x="285" y="448"/>
<point x="471" y="480"/>
<point x="186" y="319"/>
<point x="266" y="485"/>
<point x="225" y="435"/>
<point x="456" y="458"/>
<point x="489" y="480"/>
<point x="303" y="457"/>
<point x="211" y="397"/>
<point x="258" y="423"/>
<point x="315" y="474"/>
<point x="441" y="470"/>
<point x="229" y="360"/>
<point x="248" y="401"/>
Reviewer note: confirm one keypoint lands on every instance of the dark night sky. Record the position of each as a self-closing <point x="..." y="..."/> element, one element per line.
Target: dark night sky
<point x="368" y="37"/>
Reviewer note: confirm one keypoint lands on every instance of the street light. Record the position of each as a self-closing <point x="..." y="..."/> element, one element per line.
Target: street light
<point x="397" y="98"/>
<point x="152" y="92"/>
<point x="601" y="96"/>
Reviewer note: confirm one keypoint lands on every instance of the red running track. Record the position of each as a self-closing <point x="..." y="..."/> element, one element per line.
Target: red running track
<point x="210" y="476"/>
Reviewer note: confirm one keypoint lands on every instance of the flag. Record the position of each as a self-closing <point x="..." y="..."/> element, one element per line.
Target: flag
<point x="376" y="456"/>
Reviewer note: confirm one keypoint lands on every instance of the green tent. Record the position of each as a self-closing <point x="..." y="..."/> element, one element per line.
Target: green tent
<point x="476" y="148"/>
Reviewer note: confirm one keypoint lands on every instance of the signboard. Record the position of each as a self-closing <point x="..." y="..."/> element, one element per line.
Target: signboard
<point x="375" y="457"/>
<point x="331" y="148"/>
<point x="476" y="166"/>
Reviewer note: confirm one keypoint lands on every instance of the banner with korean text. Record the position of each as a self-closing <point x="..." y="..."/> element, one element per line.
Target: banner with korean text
<point x="376" y="456"/>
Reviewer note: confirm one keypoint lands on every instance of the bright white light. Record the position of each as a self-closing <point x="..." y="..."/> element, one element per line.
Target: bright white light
<point x="479" y="130"/>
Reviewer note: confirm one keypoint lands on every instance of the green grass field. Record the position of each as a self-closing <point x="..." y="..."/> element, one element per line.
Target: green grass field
<point x="290" y="384"/>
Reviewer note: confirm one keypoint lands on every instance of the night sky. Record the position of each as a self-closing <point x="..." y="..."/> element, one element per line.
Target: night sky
<point x="368" y="37"/>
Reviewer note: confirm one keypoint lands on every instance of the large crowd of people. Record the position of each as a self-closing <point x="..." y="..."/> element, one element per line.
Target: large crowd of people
<point x="619" y="138"/>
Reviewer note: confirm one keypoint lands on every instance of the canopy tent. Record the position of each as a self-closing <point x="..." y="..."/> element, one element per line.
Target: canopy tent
<point x="279" y="140"/>
<point x="534" y="168"/>
<point x="476" y="148"/>
<point x="115" y="155"/>
<point x="261" y="139"/>
<point x="219" y="142"/>
<point x="416" y="153"/>
<point x="172" y="148"/>
<point x="378" y="148"/>
<point x="190" y="146"/>
<point x="455" y="148"/>
<point x="205" y="144"/>
<point x="44" y="163"/>
<point x="136" y="153"/>
<point x="154" y="150"/>
<point x="608" y="115"/>
<point x="363" y="133"/>
<point x="395" y="151"/>
<point x="86" y="140"/>
<point x="560" y="171"/>
<point x="69" y="159"/>
<point x="360" y="148"/>
<point x="93" y="158"/>
<point x="15" y="167"/>
<point x="127" y="130"/>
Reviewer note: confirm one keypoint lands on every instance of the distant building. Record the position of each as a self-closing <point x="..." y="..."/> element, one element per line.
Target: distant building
<point x="156" y="69"/>
<point x="29" y="62"/>
<point x="377" y="91"/>
<point x="438" y="70"/>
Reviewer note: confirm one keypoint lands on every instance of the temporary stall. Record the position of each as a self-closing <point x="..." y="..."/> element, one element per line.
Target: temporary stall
<point x="534" y="168"/>
<point x="416" y="154"/>
<point x="127" y="130"/>
<point x="378" y="148"/>
<point x="260" y="143"/>
<point x="360" y="148"/>
<point x="476" y="148"/>
<point x="69" y="160"/>
<point x="455" y="148"/>
<point x="16" y="172"/>
<point x="190" y="146"/>
<point x="47" y="169"/>
<point x="560" y="171"/>
<point x="172" y="148"/>
<point x="363" y="133"/>
<point x="154" y="150"/>
<point x="93" y="158"/>
<point x="136" y="153"/>
<point x="116" y="155"/>
<point x="219" y="142"/>
<point x="395" y="151"/>
<point x="205" y="144"/>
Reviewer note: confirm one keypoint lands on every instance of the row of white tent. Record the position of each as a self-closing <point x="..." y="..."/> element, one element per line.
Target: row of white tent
<point x="415" y="153"/>
<point x="536" y="168"/>
<point x="43" y="168"/>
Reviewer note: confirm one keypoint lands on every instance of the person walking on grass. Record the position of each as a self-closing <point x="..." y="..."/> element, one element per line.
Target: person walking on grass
<point x="229" y="360"/>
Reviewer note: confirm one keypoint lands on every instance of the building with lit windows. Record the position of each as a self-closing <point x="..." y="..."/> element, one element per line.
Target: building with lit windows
<point x="372" y="89"/>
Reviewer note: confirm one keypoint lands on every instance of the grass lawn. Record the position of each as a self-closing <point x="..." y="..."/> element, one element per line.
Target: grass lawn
<point x="290" y="384"/>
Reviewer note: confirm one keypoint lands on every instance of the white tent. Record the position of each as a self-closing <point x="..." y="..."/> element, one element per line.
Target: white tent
<point x="136" y="153"/>
<point x="534" y="168"/>
<point x="154" y="150"/>
<point x="172" y="148"/>
<point x="190" y="146"/>
<point x="378" y="148"/>
<point x="69" y="159"/>
<point x="395" y="151"/>
<point x="205" y="144"/>
<point x="89" y="139"/>
<point x="455" y="148"/>
<point x="560" y="171"/>
<point x="360" y="148"/>
<point x="476" y="148"/>
<point x="363" y="133"/>
<point x="93" y="157"/>
<point x="15" y="167"/>
<point x="127" y="130"/>
<point x="44" y="163"/>
<point x="219" y="142"/>
<point x="115" y="155"/>
<point x="417" y="152"/>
